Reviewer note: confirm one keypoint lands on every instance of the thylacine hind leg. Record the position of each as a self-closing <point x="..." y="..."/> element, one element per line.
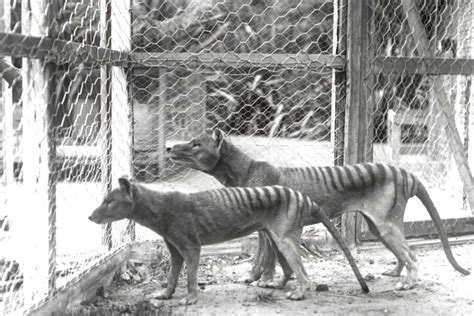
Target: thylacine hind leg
<point x="263" y="270"/>
<point x="397" y="241"/>
<point x="287" y="271"/>
<point x="288" y="247"/>
<point x="392" y="237"/>
<point x="395" y="272"/>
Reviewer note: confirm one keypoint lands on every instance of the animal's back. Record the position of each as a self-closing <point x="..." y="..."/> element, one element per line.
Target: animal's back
<point x="340" y="188"/>
<point x="229" y="213"/>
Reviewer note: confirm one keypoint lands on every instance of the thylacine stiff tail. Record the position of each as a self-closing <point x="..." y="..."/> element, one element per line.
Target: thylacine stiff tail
<point x="319" y="214"/>
<point x="422" y="194"/>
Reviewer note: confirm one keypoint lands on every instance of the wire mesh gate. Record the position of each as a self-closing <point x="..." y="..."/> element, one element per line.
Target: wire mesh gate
<point x="102" y="92"/>
<point x="419" y="73"/>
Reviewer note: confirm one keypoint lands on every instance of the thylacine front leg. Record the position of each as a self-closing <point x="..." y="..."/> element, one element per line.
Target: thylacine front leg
<point x="176" y="265"/>
<point x="191" y="256"/>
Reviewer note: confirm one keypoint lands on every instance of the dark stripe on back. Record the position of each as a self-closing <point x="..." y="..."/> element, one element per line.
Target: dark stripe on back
<point x="406" y="188"/>
<point x="241" y="198"/>
<point x="268" y="196"/>
<point x="370" y="170"/>
<point x="360" y="169"/>
<point x="249" y="197"/>
<point x="323" y="177"/>
<point x="339" y="171"/>
<point x="277" y="191"/>
<point x="331" y="179"/>
<point x="383" y="173"/>
<point x="352" y="181"/>
<point x="235" y="198"/>
<point x="259" y="197"/>
<point x="219" y="195"/>
<point x="395" y="183"/>
<point x="414" y="188"/>
<point x="311" y="174"/>
<point x="228" y="200"/>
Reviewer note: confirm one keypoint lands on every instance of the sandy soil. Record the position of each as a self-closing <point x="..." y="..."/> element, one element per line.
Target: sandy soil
<point x="441" y="290"/>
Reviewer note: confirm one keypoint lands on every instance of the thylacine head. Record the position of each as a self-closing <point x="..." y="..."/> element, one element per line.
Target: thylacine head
<point x="202" y="153"/>
<point x="117" y="205"/>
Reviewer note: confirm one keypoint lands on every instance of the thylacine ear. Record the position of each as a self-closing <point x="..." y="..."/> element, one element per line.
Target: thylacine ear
<point x="219" y="136"/>
<point x="125" y="184"/>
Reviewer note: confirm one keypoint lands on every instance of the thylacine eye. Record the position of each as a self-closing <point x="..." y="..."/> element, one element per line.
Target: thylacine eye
<point x="196" y="145"/>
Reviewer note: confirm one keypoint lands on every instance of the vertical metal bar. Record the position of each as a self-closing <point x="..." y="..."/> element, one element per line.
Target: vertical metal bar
<point x="159" y="129"/>
<point x="131" y="224"/>
<point x="467" y="129"/>
<point x="105" y="115"/>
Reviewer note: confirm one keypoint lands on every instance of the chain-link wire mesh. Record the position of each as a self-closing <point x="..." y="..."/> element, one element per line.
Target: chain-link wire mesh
<point x="419" y="81"/>
<point x="259" y="70"/>
<point x="56" y="143"/>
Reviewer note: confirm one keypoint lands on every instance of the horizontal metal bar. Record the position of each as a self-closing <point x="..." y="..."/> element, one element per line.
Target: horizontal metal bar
<point x="60" y="51"/>
<point x="251" y="59"/>
<point x="422" y="65"/>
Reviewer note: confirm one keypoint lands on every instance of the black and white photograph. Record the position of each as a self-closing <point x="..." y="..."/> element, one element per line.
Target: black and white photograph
<point x="236" y="157"/>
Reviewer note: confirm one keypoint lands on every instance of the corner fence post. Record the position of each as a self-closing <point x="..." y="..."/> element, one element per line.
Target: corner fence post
<point x="121" y="107"/>
<point x="105" y="115"/>
<point x="38" y="215"/>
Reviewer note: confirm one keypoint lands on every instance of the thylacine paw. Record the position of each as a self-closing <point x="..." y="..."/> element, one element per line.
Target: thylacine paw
<point x="404" y="285"/>
<point x="190" y="299"/>
<point x="163" y="294"/>
<point x="295" y="295"/>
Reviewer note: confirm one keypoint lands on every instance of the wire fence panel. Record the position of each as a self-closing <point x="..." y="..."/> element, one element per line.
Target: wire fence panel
<point x="93" y="90"/>
<point x="56" y="144"/>
<point x="259" y="70"/>
<point x="420" y="89"/>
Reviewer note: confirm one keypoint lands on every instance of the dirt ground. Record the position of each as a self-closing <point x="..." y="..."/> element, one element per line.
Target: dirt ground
<point x="440" y="290"/>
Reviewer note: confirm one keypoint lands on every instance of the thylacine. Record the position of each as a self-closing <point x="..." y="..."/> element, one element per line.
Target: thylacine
<point x="379" y="192"/>
<point x="187" y="221"/>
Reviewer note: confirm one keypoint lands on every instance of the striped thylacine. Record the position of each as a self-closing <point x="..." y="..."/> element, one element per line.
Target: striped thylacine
<point x="379" y="192"/>
<point x="188" y="221"/>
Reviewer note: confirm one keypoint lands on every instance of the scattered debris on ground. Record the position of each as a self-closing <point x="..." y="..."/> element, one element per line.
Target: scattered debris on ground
<point x="441" y="290"/>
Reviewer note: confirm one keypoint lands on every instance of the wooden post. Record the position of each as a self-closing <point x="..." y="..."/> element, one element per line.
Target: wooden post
<point x="39" y="214"/>
<point x="442" y="101"/>
<point x="356" y="120"/>
<point x="122" y="109"/>
<point x="105" y="117"/>
<point x="338" y="95"/>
